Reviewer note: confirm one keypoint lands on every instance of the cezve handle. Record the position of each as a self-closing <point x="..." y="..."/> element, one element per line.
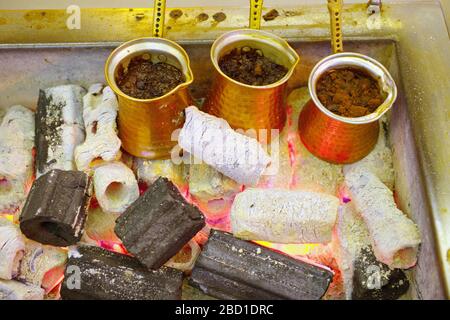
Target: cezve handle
<point x="335" y="8"/>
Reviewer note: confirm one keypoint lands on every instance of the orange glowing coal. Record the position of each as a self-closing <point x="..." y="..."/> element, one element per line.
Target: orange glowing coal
<point x="290" y="249"/>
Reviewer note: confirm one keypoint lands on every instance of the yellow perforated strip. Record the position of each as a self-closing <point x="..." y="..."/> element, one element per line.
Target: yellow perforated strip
<point x="335" y="8"/>
<point x="158" y="17"/>
<point x="255" y="14"/>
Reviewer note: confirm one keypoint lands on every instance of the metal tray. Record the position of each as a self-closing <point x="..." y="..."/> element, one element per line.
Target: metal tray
<point x="35" y="53"/>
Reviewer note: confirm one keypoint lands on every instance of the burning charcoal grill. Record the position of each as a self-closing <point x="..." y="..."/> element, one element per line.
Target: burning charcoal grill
<point x="82" y="65"/>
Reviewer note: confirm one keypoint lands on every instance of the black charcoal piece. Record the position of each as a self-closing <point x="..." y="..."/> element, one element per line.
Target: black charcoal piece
<point x="230" y="268"/>
<point x="93" y="273"/>
<point x="373" y="280"/>
<point x="55" y="210"/>
<point x="158" y="224"/>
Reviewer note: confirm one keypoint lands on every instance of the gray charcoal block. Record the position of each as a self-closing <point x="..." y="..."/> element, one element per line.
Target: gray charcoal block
<point x="230" y="268"/>
<point x="106" y="275"/>
<point x="158" y="224"/>
<point x="55" y="210"/>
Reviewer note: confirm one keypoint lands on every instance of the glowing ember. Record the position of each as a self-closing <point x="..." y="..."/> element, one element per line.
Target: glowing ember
<point x="289" y="111"/>
<point x="202" y="236"/>
<point x="291" y="148"/>
<point x="112" y="246"/>
<point x="344" y="195"/>
<point x="3" y="182"/>
<point x="184" y="190"/>
<point x="29" y="184"/>
<point x="94" y="203"/>
<point x="10" y="217"/>
<point x="290" y="249"/>
<point x="142" y="187"/>
<point x="53" y="278"/>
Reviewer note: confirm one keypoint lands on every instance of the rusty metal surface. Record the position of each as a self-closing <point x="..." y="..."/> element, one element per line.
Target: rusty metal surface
<point x="423" y="48"/>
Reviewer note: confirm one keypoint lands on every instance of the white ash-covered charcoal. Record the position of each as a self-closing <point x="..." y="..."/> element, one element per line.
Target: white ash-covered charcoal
<point x="157" y="225"/>
<point x="38" y="261"/>
<point x="16" y="290"/>
<point x="56" y="207"/>
<point x="284" y="216"/>
<point x="16" y="157"/>
<point x="102" y="143"/>
<point x="230" y="268"/>
<point x="127" y="159"/>
<point x="59" y="127"/>
<point x="213" y="141"/>
<point x="350" y="237"/>
<point x="149" y="171"/>
<point x="185" y="259"/>
<point x="106" y="275"/>
<point x="395" y="237"/>
<point x="379" y="160"/>
<point x="100" y="225"/>
<point x="363" y="276"/>
<point x="313" y="173"/>
<point x="12" y="247"/>
<point x="206" y="183"/>
<point x="115" y="186"/>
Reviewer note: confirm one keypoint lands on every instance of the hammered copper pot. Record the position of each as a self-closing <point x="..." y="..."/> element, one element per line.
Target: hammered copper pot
<point x="339" y="139"/>
<point x="246" y="106"/>
<point x="146" y="125"/>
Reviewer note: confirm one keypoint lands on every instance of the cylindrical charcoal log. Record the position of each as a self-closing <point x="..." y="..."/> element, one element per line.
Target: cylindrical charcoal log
<point x="230" y="268"/>
<point x="102" y="143"/>
<point x="378" y="161"/>
<point x="100" y="225"/>
<point x="395" y="238"/>
<point x="16" y="157"/>
<point x="59" y="127"/>
<point x="149" y="171"/>
<point x="363" y="276"/>
<point x="55" y="210"/>
<point x="16" y="290"/>
<point x="115" y="186"/>
<point x="157" y="225"/>
<point x="284" y="216"/>
<point x="213" y="141"/>
<point x="184" y="260"/>
<point x="98" y="274"/>
<point x="12" y="247"/>
<point x="38" y="261"/>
